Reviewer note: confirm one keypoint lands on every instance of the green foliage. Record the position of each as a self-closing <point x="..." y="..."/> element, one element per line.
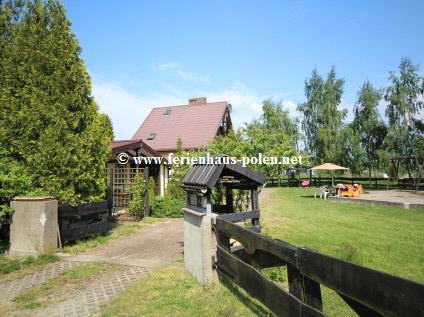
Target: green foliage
<point x="369" y="126"/>
<point x="404" y="97"/>
<point x="167" y="207"/>
<point x="275" y="134"/>
<point x="151" y="187"/>
<point x="49" y="121"/>
<point x="13" y="182"/>
<point x="322" y="121"/>
<point x="138" y="200"/>
<point x="179" y="171"/>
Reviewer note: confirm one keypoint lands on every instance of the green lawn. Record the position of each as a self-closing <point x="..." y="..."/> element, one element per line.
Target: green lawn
<point x="386" y="239"/>
<point x="172" y="292"/>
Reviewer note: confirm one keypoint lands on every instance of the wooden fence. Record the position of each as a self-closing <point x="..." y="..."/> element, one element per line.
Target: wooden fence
<point x="376" y="183"/>
<point x="368" y="292"/>
<point x="76" y="222"/>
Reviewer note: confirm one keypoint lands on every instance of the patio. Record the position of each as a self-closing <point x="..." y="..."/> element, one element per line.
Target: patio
<point x="391" y="198"/>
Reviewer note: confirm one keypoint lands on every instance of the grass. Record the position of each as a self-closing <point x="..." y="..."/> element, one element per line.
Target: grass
<point x="14" y="267"/>
<point x="117" y="231"/>
<point x="172" y="292"/>
<point x="386" y="239"/>
<point x="60" y="287"/>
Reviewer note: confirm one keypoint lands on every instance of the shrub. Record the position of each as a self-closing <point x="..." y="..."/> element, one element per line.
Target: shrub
<point x="152" y="186"/>
<point x="167" y="206"/>
<point x="138" y="200"/>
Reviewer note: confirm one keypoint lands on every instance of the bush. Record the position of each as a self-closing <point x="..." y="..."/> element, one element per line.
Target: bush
<point x="138" y="200"/>
<point x="167" y="206"/>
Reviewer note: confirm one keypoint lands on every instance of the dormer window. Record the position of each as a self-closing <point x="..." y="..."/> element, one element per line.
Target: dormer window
<point x="151" y="136"/>
<point x="167" y="112"/>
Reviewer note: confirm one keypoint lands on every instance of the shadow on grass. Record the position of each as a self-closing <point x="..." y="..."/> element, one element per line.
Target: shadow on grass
<point x="255" y="308"/>
<point x="309" y="196"/>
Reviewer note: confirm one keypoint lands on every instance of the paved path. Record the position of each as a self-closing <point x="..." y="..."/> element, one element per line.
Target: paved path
<point x="96" y="295"/>
<point x="10" y="289"/>
<point x="157" y="245"/>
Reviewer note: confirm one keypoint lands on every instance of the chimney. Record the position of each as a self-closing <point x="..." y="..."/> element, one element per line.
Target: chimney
<point x="196" y="101"/>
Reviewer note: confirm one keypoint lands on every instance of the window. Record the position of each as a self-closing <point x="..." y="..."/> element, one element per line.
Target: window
<point x="167" y="112"/>
<point x="151" y="136"/>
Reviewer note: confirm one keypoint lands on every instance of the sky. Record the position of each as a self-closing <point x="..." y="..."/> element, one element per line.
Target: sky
<point x="145" y="54"/>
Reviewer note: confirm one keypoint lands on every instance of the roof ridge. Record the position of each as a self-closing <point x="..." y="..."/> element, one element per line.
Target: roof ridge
<point x="193" y="105"/>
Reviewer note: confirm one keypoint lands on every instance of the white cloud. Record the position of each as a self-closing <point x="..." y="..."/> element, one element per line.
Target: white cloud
<point x="246" y="102"/>
<point x="192" y="77"/>
<point x="288" y="104"/>
<point x="126" y="110"/>
<point x="179" y="70"/>
<point x="167" y="66"/>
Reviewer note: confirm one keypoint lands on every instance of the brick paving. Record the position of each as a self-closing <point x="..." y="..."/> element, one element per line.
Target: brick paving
<point x="97" y="294"/>
<point x="10" y="289"/>
<point x="157" y="245"/>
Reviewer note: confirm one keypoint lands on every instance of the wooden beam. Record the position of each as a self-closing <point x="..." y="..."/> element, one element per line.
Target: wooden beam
<point x="253" y="241"/>
<point x="386" y="294"/>
<point x="258" y="286"/>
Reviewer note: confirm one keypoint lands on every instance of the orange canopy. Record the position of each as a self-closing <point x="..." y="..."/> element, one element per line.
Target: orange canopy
<point x="329" y="167"/>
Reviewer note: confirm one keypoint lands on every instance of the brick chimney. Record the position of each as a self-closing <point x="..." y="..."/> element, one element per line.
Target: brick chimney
<point x="195" y="101"/>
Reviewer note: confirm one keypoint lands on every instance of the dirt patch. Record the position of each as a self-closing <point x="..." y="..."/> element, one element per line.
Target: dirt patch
<point x="264" y="194"/>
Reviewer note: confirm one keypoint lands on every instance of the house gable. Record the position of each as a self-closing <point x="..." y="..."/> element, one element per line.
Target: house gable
<point x="196" y="124"/>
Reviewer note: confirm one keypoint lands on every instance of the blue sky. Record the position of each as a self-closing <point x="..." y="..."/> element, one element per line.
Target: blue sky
<point x="144" y="54"/>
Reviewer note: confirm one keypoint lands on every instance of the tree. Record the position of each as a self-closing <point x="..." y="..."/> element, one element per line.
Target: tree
<point x="273" y="135"/>
<point x="369" y="126"/>
<point x="406" y="129"/>
<point x="49" y="120"/>
<point x="276" y="118"/>
<point x="322" y="122"/>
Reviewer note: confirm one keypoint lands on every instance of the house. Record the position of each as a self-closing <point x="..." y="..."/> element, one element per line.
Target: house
<point x="121" y="175"/>
<point x="196" y="123"/>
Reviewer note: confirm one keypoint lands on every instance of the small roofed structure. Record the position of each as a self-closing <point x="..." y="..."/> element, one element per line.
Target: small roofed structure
<point x="200" y="212"/>
<point x="202" y="178"/>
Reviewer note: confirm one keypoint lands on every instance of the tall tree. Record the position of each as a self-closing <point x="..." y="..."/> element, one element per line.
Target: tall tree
<point x="369" y="126"/>
<point x="322" y="120"/>
<point x="275" y="117"/>
<point x="405" y="102"/>
<point x="49" y="121"/>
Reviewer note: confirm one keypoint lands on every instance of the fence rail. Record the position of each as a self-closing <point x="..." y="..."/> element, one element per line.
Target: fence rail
<point x="368" y="292"/>
<point x="76" y="222"/>
<point x="319" y="181"/>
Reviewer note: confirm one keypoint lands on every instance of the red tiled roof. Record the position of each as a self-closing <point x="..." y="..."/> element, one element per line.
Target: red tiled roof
<point x="195" y="124"/>
<point x="118" y="146"/>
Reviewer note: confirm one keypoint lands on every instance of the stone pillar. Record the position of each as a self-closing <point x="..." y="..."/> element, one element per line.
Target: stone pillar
<point x="34" y="226"/>
<point x="199" y="246"/>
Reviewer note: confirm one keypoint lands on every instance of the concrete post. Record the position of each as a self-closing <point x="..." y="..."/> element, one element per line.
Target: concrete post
<point x="199" y="246"/>
<point x="34" y="226"/>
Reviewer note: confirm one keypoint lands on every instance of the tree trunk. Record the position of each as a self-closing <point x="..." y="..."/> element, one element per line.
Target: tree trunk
<point x="369" y="176"/>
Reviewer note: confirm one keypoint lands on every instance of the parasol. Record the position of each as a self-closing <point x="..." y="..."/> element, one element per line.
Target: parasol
<point x="329" y="167"/>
